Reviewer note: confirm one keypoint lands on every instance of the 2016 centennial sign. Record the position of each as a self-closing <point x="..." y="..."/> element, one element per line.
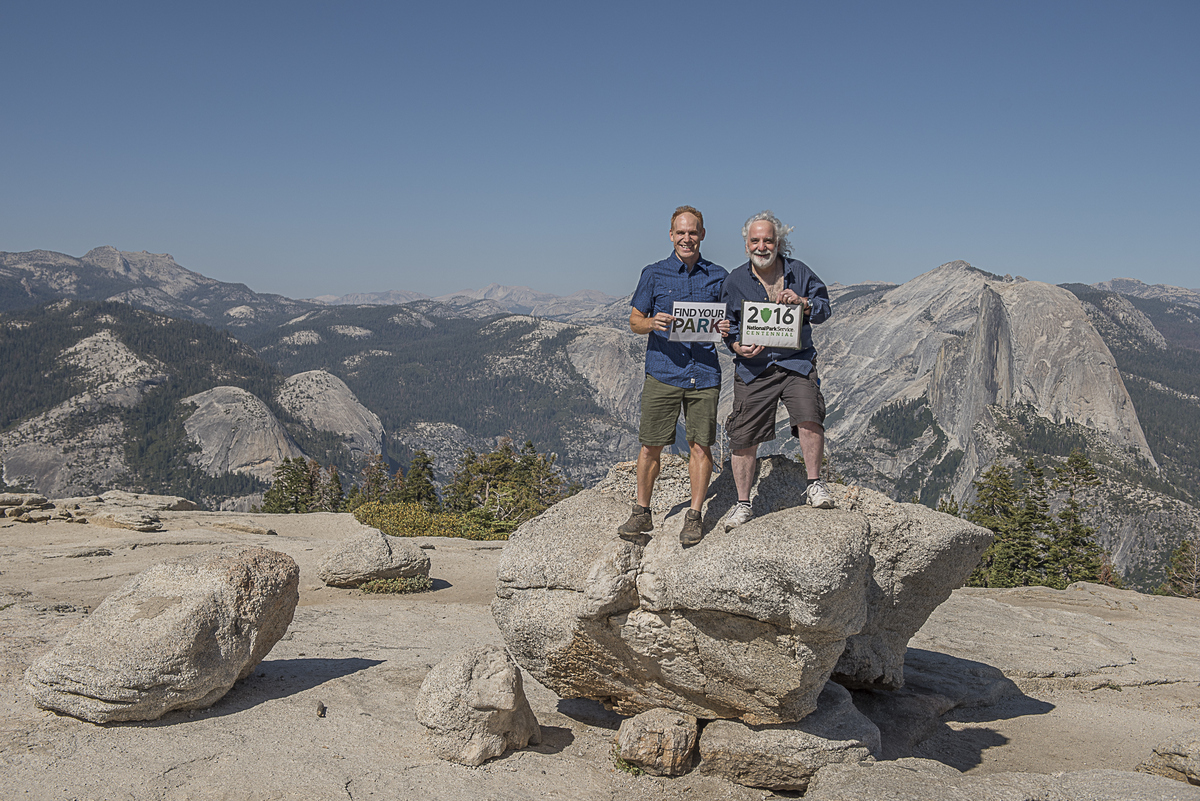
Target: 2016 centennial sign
<point x="772" y="325"/>
<point x="696" y="322"/>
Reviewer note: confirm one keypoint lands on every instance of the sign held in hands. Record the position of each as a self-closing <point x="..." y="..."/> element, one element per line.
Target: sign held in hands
<point x="696" y="322"/>
<point x="772" y="325"/>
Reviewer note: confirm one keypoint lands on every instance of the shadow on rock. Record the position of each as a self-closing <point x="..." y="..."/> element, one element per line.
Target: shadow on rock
<point x="275" y="679"/>
<point x="590" y="713"/>
<point x="935" y="684"/>
<point x="555" y="740"/>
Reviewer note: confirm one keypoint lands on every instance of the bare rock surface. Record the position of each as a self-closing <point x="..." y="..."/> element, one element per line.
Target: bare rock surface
<point x="1177" y="758"/>
<point x="787" y="756"/>
<point x="237" y="433"/>
<point x="176" y="637"/>
<point x="372" y="555"/>
<point x="475" y="708"/>
<point x="926" y="780"/>
<point x="364" y="658"/>
<point x="662" y="742"/>
<point x="749" y="623"/>
<point x="324" y="401"/>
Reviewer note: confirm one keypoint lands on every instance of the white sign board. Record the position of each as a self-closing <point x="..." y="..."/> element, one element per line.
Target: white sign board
<point x="696" y="322"/>
<point x="772" y="325"/>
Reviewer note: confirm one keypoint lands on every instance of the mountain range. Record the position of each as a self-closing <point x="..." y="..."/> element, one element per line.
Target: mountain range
<point x="928" y="383"/>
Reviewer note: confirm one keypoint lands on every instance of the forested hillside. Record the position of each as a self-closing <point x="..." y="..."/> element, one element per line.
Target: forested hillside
<point x="179" y="358"/>
<point x="502" y="375"/>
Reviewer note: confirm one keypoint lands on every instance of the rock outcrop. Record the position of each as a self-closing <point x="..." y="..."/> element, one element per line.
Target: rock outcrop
<point x="474" y="707"/>
<point x="237" y="433"/>
<point x="749" y="624"/>
<point x="372" y="555"/>
<point x="325" y="402"/>
<point x="176" y="637"/>
<point x="1177" y="758"/>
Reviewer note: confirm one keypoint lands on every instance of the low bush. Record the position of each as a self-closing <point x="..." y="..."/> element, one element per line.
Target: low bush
<point x="398" y="585"/>
<point x="413" y="520"/>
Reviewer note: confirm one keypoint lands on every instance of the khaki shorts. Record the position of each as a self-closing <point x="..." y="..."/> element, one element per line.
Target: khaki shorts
<point x="752" y="421"/>
<point x="661" y="404"/>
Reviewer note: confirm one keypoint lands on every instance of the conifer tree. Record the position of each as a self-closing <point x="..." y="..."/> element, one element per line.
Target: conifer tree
<point x="1183" y="574"/>
<point x="418" y="485"/>
<point x="1073" y="554"/>
<point x="290" y="491"/>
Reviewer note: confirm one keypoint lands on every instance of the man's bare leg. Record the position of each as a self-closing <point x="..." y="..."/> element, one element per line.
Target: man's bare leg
<point x="700" y="472"/>
<point x="649" y="463"/>
<point x="743" y="463"/>
<point x="812" y="445"/>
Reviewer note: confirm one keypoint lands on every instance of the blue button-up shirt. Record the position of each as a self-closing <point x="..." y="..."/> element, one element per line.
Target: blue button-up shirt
<point x="692" y="365"/>
<point x="744" y="285"/>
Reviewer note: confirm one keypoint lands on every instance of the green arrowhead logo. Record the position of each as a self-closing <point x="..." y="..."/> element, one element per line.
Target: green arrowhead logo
<point x="766" y="315"/>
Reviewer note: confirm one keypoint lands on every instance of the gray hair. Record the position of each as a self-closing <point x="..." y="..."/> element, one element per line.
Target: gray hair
<point x="782" y="246"/>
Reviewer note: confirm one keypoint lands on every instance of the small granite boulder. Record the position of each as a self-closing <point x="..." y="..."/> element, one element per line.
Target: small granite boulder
<point x="372" y="555"/>
<point x="661" y="742"/>
<point x="1177" y="758"/>
<point x="177" y="636"/>
<point x="474" y="706"/>
<point x="785" y="757"/>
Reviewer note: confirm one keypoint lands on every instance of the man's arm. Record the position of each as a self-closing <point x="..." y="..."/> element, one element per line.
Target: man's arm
<point x="641" y="324"/>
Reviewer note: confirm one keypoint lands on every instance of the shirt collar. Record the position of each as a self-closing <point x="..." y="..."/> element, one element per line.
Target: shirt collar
<point x="678" y="264"/>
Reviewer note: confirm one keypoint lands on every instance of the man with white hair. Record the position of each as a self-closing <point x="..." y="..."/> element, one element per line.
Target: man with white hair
<point x="764" y="376"/>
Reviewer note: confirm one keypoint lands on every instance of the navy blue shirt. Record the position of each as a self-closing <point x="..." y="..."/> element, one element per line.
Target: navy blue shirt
<point x="744" y="285"/>
<point x="692" y="365"/>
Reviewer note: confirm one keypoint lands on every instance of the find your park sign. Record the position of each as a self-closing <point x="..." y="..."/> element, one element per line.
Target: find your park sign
<point x="772" y="325"/>
<point x="696" y="322"/>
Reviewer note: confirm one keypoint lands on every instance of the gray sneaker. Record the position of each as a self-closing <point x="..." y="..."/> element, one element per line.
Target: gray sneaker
<point x="819" y="495"/>
<point x="639" y="522"/>
<point x="693" y="529"/>
<point x="741" y="514"/>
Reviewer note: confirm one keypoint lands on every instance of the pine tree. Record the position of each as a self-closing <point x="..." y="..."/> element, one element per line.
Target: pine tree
<point x="1014" y="559"/>
<point x="290" y="492"/>
<point x="418" y="485"/>
<point x="374" y="479"/>
<point x="1183" y="574"/>
<point x="1073" y="553"/>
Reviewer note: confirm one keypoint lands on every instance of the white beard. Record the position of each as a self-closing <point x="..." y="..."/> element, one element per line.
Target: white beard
<point x="762" y="262"/>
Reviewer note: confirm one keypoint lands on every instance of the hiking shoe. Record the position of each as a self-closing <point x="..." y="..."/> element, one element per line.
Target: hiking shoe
<point x="693" y="529"/>
<point x="639" y="522"/>
<point x="819" y="495"/>
<point x="741" y="513"/>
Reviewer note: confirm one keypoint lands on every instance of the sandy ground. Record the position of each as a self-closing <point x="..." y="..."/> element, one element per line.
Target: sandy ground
<point x="364" y="657"/>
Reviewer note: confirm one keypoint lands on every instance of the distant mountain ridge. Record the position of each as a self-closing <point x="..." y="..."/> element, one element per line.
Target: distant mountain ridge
<point x="928" y="382"/>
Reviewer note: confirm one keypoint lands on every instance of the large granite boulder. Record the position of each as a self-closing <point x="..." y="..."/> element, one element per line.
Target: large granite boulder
<point x="918" y="557"/>
<point x="372" y="555"/>
<point x="177" y="636"/>
<point x="748" y="624"/>
<point x="474" y="708"/>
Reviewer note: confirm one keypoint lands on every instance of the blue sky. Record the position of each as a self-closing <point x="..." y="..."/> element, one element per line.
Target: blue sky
<point x="312" y="148"/>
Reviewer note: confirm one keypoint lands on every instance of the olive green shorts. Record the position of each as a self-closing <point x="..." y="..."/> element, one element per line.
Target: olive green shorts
<point x="661" y="404"/>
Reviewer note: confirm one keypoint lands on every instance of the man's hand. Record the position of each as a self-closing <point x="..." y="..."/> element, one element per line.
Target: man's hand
<point x="723" y="328"/>
<point x="747" y="351"/>
<point x="641" y="324"/>
<point x="790" y="298"/>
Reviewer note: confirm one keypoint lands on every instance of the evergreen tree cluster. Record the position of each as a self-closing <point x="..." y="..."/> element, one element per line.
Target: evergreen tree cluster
<point x="493" y="493"/>
<point x="1034" y="547"/>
